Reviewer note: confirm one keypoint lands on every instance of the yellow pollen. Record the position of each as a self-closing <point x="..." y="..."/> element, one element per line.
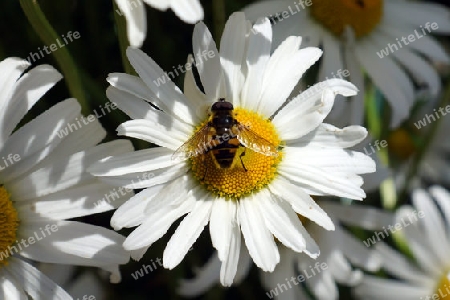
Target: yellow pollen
<point x="235" y="182"/>
<point x="401" y="144"/>
<point x="443" y="288"/>
<point x="8" y="225"/>
<point x="361" y="15"/>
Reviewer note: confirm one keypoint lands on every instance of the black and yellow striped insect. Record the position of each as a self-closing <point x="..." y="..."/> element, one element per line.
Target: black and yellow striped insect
<point x="222" y="135"/>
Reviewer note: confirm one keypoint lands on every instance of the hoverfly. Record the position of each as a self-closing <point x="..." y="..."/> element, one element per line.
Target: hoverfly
<point x="222" y="135"/>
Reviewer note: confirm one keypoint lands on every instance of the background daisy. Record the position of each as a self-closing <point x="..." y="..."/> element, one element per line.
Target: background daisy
<point x="368" y="37"/>
<point x="45" y="183"/>
<point x="426" y="273"/>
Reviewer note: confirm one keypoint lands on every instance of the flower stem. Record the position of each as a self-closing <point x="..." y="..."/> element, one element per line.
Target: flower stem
<point x="218" y="7"/>
<point x="63" y="58"/>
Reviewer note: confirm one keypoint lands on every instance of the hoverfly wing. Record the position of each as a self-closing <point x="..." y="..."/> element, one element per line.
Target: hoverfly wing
<point x="255" y="142"/>
<point x="196" y="145"/>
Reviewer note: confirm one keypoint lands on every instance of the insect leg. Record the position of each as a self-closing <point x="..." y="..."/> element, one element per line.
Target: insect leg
<point x="242" y="163"/>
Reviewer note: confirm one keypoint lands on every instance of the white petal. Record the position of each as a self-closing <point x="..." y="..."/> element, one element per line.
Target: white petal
<point x="142" y="180"/>
<point x="208" y="62"/>
<point x="232" y="47"/>
<point x="11" y="69"/>
<point x="433" y="225"/>
<point x="397" y="88"/>
<point x="442" y="197"/>
<point x="423" y="73"/>
<point x="327" y="135"/>
<point x="156" y="225"/>
<point x="131" y="213"/>
<point x="156" y="133"/>
<point x="330" y="159"/>
<point x="138" y="161"/>
<point x="133" y="85"/>
<point x="187" y="233"/>
<point x="301" y="202"/>
<point x="28" y="90"/>
<point x="133" y="106"/>
<point x="326" y="181"/>
<point x="310" y="108"/>
<point x="422" y="251"/>
<point x="69" y="242"/>
<point x="172" y="100"/>
<point x="281" y="220"/>
<point x="189" y="11"/>
<point x="284" y="69"/>
<point x="36" y="139"/>
<point x="194" y="95"/>
<point x="10" y="288"/>
<point x="415" y="14"/>
<point x="36" y="284"/>
<point x="258" y="54"/>
<point x="332" y="57"/>
<point x="223" y="220"/>
<point x="230" y="264"/>
<point x="134" y="12"/>
<point x="257" y="236"/>
<point x="76" y="202"/>
<point x="159" y="4"/>
<point x="62" y="173"/>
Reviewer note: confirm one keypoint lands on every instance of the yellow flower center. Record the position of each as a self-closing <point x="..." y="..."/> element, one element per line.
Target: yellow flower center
<point x="361" y="15"/>
<point x="8" y="225"/>
<point x="401" y="144"/>
<point x="443" y="288"/>
<point x="235" y="182"/>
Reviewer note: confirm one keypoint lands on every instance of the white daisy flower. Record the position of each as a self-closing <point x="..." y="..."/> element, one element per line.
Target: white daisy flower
<point x="340" y="251"/>
<point x="43" y="183"/>
<point x="190" y="11"/>
<point x="426" y="230"/>
<point x="259" y="194"/>
<point x="388" y="40"/>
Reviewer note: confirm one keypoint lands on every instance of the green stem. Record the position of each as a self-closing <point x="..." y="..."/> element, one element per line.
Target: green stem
<point x="372" y="114"/>
<point x="123" y="39"/>
<point x="428" y="139"/>
<point x="63" y="58"/>
<point x="218" y="7"/>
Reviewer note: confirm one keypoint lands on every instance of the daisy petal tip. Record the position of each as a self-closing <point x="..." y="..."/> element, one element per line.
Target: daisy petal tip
<point x="115" y="278"/>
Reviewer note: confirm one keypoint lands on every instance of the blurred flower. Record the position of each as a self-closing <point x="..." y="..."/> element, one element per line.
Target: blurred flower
<point x="259" y="194"/>
<point x="43" y="183"/>
<point x="389" y="40"/>
<point x="428" y="272"/>
<point x="340" y="251"/>
<point x="190" y="11"/>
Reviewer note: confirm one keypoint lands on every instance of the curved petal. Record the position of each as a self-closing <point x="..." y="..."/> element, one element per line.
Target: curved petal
<point x="190" y="11"/>
<point x="134" y="12"/>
